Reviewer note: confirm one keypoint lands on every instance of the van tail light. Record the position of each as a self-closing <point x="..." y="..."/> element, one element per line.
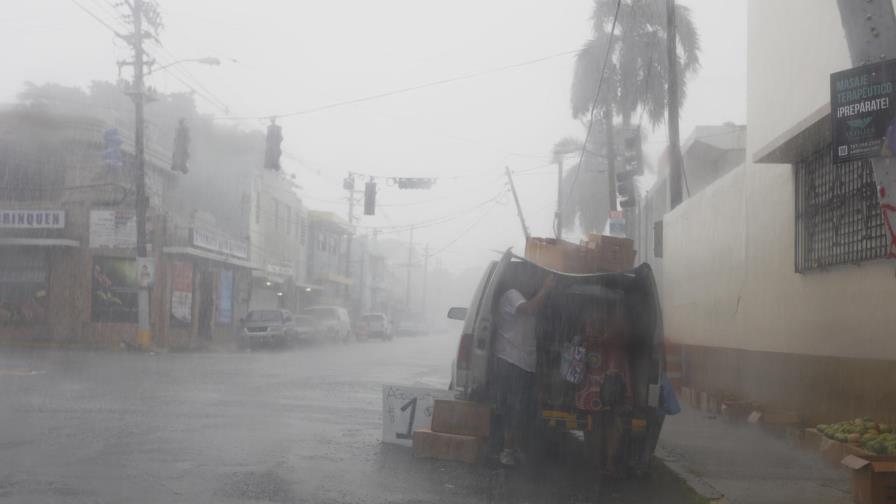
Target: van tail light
<point x="465" y="351"/>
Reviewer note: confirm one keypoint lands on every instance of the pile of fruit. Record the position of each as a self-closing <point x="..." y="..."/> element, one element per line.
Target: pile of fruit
<point x="875" y="437"/>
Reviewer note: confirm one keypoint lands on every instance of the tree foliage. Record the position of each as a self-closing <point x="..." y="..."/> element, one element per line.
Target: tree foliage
<point x="634" y="83"/>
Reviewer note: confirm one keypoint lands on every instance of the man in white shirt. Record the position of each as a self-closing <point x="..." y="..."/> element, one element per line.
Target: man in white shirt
<point x="515" y="365"/>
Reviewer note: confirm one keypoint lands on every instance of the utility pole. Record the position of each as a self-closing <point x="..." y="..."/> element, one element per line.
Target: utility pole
<point x="559" y="216"/>
<point x="519" y="209"/>
<point x="407" y="292"/>
<point x="349" y="185"/>
<point x="676" y="162"/>
<point x="425" y="279"/>
<point x="144" y="337"/>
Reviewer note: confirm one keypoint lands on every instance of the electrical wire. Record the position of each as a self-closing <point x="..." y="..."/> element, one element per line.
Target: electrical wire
<point x="400" y="90"/>
<point x="463" y="233"/>
<point x="600" y="82"/>
<point x="435" y="221"/>
<point x="97" y="18"/>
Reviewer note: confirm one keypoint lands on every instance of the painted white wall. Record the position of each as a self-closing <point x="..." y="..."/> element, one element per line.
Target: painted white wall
<point x="729" y="276"/>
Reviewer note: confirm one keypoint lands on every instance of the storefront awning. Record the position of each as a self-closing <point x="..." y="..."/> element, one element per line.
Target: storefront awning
<point x="799" y="141"/>
<point x="309" y="287"/>
<point x="204" y="254"/>
<point x="270" y="277"/>
<point x="39" y="242"/>
<point x="336" y="278"/>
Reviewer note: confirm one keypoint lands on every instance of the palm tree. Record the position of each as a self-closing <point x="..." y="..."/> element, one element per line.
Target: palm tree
<point x="636" y="75"/>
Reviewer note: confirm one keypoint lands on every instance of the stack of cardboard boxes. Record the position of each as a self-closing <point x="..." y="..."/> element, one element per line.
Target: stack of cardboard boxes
<point x="458" y="432"/>
<point x="597" y="254"/>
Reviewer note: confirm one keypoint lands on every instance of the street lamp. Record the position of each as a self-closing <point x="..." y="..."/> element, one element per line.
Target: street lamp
<point x="208" y="60"/>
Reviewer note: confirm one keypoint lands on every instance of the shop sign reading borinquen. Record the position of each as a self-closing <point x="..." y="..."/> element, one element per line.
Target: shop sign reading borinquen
<point x="862" y="112"/>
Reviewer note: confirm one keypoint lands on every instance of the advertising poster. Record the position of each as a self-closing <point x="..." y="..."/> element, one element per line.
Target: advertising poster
<point x="862" y="112"/>
<point x="114" y="297"/>
<point x="225" y="297"/>
<point x="113" y="229"/>
<point x="182" y="293"/>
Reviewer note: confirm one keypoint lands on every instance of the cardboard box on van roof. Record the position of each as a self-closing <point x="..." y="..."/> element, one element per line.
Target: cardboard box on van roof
<point x="873" y="478"/>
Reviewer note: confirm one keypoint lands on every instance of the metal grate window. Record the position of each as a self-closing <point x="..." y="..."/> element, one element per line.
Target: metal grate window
<point x="838" y="219"/>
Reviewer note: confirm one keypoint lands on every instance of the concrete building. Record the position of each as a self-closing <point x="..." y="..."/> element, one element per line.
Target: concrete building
<point x="217" y="235"/>
<point x="327" y="260"/>
<point x="774" y="277"/>
<point x="709" y="152"/>
<point x="278" y="231"/>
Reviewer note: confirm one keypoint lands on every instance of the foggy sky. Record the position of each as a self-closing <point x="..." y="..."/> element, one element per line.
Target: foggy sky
<point x="297" y="55"/>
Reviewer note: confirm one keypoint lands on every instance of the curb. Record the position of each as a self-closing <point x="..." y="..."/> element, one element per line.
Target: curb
<point x="703" y="492"/>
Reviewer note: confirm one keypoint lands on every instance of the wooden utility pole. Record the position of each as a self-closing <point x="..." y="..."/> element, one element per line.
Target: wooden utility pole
<point x="559" y="216"/>
<point x="138" y="95"/>
<point x="676" y="162"/>
<point x="519" y="209"/>
<point x="425" y="280"/>
<point x="407" y="291"/>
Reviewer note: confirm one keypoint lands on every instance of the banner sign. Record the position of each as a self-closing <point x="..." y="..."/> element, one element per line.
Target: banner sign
<point x="406" y="409"/>
<point x="277" y="269"/>
<point x="113" y="229"/>
<point x="862" y="112"/>
<point x="32" y="219"/>
<point x="182" y="293"/>
<point x="216" y="242"/>
<point x="225" y="297"/>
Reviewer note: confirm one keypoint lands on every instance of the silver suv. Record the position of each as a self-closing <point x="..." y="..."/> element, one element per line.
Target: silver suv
<point x="275" y="327"/>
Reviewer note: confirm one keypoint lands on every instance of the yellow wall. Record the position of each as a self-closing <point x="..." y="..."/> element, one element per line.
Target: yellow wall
<point x="728" y="271"/>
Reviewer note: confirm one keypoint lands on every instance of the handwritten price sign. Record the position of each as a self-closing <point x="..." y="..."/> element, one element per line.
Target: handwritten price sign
<point x="406" y="409"/>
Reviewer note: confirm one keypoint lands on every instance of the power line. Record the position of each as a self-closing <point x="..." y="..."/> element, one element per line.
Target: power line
<point x="401" y="90"/>
<point x="436" y="221"/>
<point x="97" y="18"/>
<point x="463" y="233"/>
<point x="600" y="82"/>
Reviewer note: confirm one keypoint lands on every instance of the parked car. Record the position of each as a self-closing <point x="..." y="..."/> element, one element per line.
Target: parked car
<point x="574" y="302"/>
<point x="333" y="322"/>
<point x="408" y="328"/>
<point x="275" y="327"/>
<point x="375" y="325"/>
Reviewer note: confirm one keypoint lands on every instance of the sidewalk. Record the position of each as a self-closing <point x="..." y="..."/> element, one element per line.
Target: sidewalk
<point x="742" y="464"/>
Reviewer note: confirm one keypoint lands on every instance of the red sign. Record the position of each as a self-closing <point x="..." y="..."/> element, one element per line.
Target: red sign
<point x="182" y="292"/>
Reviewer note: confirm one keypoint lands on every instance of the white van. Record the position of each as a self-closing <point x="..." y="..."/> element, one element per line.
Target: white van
<point x="568" y="307"/>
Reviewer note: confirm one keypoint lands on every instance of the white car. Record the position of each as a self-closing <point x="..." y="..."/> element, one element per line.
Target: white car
<point x="375" y="325"/>
<point x="333" y="322"/>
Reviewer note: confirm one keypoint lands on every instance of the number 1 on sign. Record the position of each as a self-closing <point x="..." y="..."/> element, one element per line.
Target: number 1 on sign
<point x="410" y="432"/>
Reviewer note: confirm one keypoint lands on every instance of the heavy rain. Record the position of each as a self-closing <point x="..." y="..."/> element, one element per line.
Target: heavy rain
<point x="590" y="251"/>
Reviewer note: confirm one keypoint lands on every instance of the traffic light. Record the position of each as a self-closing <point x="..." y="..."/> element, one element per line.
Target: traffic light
<point x="631" y="151"/>
<point x="272" y="146"/>
<point x="112" y="148"/>
<point x="370" y="198"/>
<point x="415" y="183"/>
<point x="181" y="154"/>
<point x="625" y="187"/>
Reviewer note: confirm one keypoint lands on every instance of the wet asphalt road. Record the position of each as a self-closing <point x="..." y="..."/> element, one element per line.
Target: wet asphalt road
<point x="296" y="426"/>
